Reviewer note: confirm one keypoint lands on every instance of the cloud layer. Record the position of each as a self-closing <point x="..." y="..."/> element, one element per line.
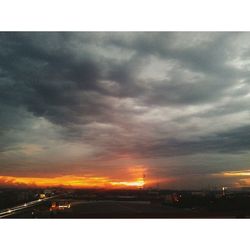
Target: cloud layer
<point x="100" y="103"/>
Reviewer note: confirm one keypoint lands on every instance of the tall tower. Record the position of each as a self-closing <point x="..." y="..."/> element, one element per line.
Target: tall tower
<point x="223" y="191"/>
<point x="143" y="180"/>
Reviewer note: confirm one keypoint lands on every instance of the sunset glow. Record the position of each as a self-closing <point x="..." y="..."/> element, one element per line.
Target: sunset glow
<point x="237" y="173"/>
<point x="70" y="181"/>
<point x="138" y="183"/>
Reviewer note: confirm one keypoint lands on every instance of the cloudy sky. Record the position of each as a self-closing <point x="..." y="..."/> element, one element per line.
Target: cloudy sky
<point x="107" y="108"/>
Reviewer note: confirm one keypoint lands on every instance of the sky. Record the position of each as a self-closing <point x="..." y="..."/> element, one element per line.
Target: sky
<point x="120" y="109"/>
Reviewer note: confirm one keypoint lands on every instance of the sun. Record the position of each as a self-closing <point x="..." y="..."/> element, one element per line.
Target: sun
<point x="139" y="183"/>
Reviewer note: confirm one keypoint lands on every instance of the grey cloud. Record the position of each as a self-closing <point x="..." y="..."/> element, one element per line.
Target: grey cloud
<point x="234" y="141"/>
<point x="88" y="87"/>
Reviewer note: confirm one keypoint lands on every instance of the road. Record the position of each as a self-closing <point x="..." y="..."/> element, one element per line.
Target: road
<point x="11" y="211"/>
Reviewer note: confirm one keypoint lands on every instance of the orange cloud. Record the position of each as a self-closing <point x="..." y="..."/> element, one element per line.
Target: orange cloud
<point x="237" y="173"/>
<point x="240" y="178"/>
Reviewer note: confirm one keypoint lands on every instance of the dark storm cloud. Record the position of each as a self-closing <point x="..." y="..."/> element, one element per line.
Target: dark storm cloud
<point x="46" y="83"/>
<point x="230" y="142"/>
<point x="55" y="83"/>
<point x="147" y="95"/>
<point x="45" y="78"/>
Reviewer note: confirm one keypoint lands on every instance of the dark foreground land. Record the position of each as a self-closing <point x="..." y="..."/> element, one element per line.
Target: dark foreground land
<point x="126" y="204"/>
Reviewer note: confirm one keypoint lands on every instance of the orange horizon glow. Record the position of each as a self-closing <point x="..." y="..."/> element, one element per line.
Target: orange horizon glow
<point x="241" y="177"/>
<point x="237" y="173"/>
<point x="138" y="183"/>
<point x="71" y="181"/>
